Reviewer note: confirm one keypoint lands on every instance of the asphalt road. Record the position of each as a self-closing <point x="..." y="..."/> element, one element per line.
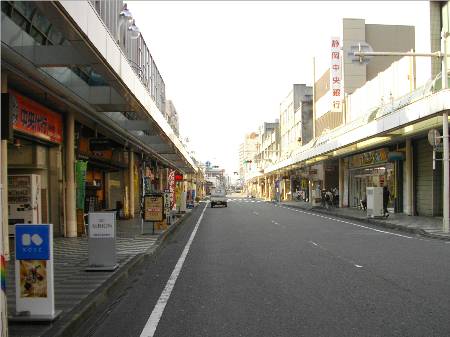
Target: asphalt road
<point x="258" y="269"/>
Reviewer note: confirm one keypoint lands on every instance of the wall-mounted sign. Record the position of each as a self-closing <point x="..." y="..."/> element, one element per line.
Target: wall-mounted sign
<point x="178" y="177"/>
<point x="153" y="208"/>
<point x="369" y="158"/>
<point x="337" y="91"/>
<point x="99" y="144"/>
<point x="396" y="156"/>
<point x="34" y="119"/>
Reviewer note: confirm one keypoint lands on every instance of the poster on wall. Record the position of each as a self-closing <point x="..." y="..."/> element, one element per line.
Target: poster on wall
<point x="33" y="278"/>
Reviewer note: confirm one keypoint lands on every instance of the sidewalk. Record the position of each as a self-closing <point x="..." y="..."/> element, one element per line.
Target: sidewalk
<point x="427" y="226"/>
<point x="77" y="292"/>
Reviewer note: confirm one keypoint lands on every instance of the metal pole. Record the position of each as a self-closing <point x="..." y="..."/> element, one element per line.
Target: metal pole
<point x="314" y="98"/>
<point x="445" y="225"/>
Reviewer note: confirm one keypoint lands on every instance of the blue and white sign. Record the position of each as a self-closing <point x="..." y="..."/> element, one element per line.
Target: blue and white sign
<point x="32" y="242"/>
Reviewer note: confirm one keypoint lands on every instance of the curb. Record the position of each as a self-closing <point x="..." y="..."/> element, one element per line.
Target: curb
<point x="82" y="312"/>
<point x="375" y="222"/>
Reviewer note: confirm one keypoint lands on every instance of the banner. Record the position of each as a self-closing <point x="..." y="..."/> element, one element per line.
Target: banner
<point x="171" y="185"/>
<point x="80" y="177"/>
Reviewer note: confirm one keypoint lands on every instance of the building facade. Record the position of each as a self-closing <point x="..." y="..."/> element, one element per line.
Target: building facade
<point x="83" y="104"/>
<point x="378" y="135"/>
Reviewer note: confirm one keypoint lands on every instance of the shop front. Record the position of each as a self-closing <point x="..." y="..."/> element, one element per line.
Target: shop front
<point x="34" y="164"/>
<point x="300" y="185"/>
<point x="372" y="169"/>
<point x="100" y="171"/>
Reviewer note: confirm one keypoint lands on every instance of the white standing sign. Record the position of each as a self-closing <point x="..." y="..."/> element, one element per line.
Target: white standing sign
<point x="336" y="87"/>
<point x="102" y="241"/>
<point x="101" y="225"/>
<point x="35" y="297"/>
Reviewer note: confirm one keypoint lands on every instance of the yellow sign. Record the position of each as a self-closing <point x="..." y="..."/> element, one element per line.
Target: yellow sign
<point x="153" y="208"/>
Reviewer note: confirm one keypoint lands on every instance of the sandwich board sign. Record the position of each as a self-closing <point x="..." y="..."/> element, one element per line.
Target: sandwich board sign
<point x="102" y="241"/>
<point x="35" y="295"/>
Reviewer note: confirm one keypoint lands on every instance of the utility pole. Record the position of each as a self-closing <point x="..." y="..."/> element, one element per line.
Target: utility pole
<point x="3" y="302"/>
<point x="446" y="207"/>
<point x="359" y="55"/>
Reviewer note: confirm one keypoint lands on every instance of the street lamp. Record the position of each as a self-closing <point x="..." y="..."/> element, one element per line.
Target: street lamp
<point x="135" y="32"/>
<point x="124" y="16"/>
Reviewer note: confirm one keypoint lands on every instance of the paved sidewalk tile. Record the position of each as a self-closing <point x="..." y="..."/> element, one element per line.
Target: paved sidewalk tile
<point x="72" y="282"/>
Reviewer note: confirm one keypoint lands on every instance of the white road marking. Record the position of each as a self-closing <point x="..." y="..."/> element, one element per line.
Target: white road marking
<point x="354" y="224"/>
<point x="152" y="322"/>
<point x="336" y="256"/>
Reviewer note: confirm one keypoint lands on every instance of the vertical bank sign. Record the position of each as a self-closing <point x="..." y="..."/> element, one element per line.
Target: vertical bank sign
<point x="336" y="87"/>
<point x="34" y="119"/>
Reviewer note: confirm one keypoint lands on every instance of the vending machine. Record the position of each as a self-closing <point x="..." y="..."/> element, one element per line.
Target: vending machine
<point x="24" y="200"/>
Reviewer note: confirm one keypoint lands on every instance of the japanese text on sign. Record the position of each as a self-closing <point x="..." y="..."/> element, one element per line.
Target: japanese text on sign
<point x="336" y="75"/>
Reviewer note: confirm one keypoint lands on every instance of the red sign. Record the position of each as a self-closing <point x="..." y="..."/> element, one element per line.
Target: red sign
<point x="34" y="119"/>
<point x="178" y="177"/>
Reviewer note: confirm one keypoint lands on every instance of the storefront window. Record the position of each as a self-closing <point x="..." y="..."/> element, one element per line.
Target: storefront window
<point x="379" y="176"/>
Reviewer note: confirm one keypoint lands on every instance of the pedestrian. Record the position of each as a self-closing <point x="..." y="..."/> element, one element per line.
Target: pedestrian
<point x="386" y="195"/>
<point x="363" y="203"/>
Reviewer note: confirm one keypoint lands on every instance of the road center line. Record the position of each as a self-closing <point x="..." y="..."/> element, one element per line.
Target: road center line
<point x="153" y="320"/>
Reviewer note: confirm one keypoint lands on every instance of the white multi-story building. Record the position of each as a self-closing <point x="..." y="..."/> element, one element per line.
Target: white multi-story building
<point x="247" y="152"/>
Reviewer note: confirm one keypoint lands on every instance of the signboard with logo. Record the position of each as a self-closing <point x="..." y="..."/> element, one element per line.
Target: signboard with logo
<point x="34" y="272"/>
<point x="34" y="119"/>
<point x="153" y="208"/>
<point x="375" y="157"/>
<point x="337" y="90"/>
<point x="102" y="225"/>
<point x="102" y="241"/>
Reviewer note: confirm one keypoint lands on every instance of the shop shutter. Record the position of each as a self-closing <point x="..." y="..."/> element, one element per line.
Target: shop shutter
<point x="423" y="177"/>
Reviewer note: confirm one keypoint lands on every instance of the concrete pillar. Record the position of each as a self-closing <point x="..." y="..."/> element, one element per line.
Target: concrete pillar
<point x="4" y="182"/>
<point x="341" y="182"/>
<point x="131" y="182"/>
<point x="266" y="188"/>
<point x="71" y="219"/>
<point x="161" y="182"/>
<point x="409" y="198"/>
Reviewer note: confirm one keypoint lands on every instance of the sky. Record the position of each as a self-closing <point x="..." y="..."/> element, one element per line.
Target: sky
<point x="227" y="65"/>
